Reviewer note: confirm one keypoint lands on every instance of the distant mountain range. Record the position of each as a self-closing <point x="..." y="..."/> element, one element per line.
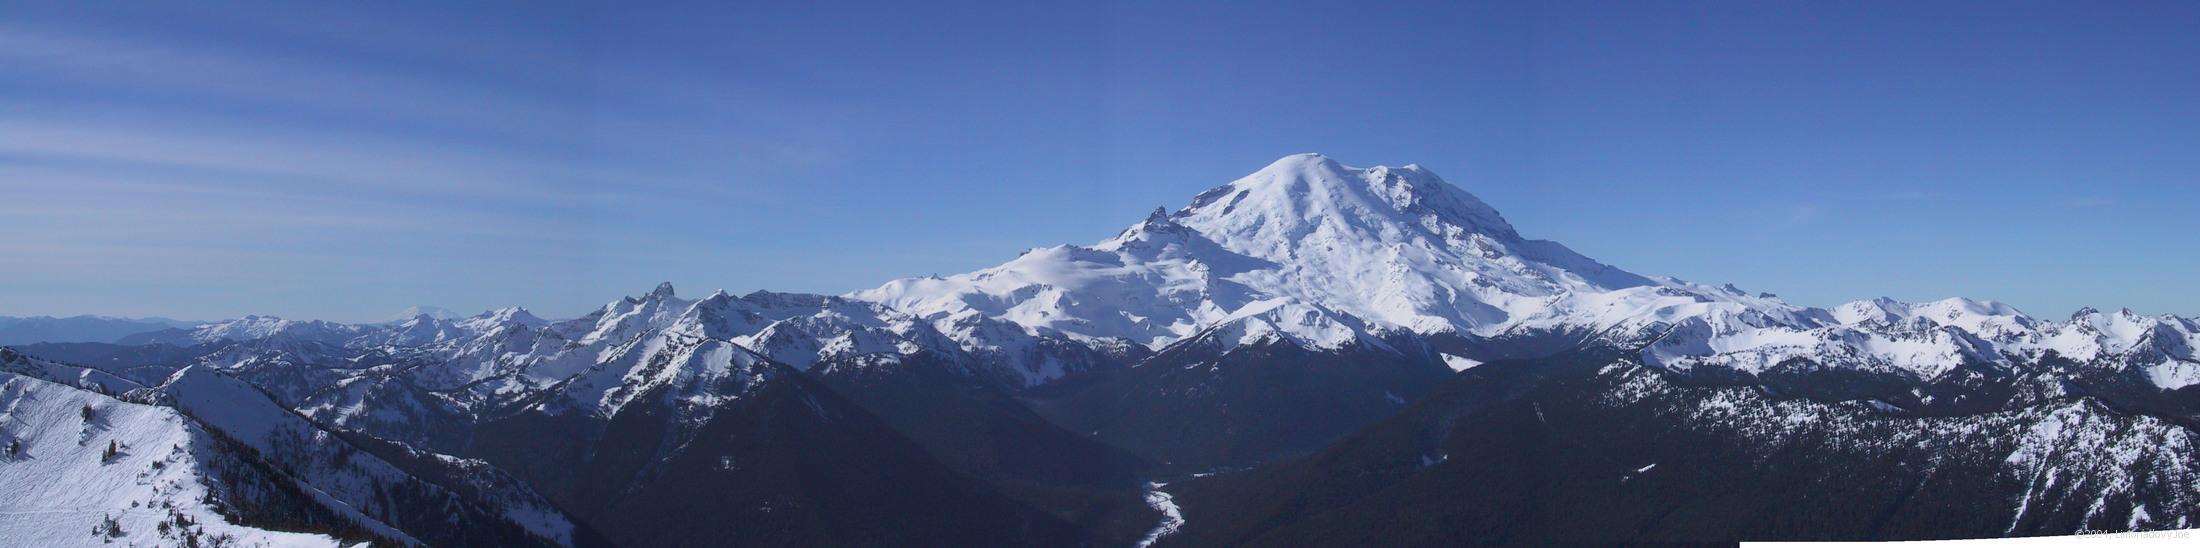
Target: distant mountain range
<point x="41" y="329"/>
<point x="1312" y="354"/>
<point x="103" y="329"/>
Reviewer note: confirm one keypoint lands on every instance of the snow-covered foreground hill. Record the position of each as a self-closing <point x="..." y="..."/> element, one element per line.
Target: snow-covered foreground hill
<point x="204" y="457"/>
<point x="66" y="488"/>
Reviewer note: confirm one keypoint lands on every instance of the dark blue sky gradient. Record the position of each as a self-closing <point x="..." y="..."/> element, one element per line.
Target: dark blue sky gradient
<point x="343" y="162"/>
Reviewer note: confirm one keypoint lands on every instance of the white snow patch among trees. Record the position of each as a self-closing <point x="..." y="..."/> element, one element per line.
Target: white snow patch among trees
<point x="1460" y="363"/>
<point x="1172" y="518"/>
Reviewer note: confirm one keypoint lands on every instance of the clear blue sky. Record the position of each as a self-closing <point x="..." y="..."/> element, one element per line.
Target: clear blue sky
<point x="346" y="160"/>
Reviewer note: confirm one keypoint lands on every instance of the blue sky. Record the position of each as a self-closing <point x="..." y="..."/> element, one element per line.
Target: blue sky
<point x="344" y="161"/>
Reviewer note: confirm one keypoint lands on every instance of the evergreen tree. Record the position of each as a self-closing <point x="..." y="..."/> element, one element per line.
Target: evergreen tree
<point x="109" y="527"/>
<point x="111" y="450"/>
<point x="86" y="412"/>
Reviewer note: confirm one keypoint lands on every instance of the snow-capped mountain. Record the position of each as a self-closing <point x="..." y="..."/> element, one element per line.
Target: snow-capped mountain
<point x="664" y="428"/>
<point x="1295" y="311"/>
<point x="253" y="328"/>
<point x="668" y="370"/>
<point x="1305" y="252"/>
<point x="1323" y="255"/>
<point x="1928" y="340"/>
<point x="419" y="310"/>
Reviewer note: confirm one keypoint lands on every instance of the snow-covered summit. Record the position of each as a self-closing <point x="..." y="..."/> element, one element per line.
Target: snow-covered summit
<point x="1987" y="319"/>
<point x="1318" y="252"/>
<point x="2164" y="342"/>
<point x="251" y="328"/>
<point x="501" y="317"/>
<point x="1307" y="194"/>
<point x="416" y="311"/>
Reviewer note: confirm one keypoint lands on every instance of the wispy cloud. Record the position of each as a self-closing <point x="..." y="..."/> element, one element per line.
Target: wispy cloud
<point x="1914" y="195"/>
<point x="185" y="69"/>
<point x="631" y="128"/>
<point x="1803" y="214"/>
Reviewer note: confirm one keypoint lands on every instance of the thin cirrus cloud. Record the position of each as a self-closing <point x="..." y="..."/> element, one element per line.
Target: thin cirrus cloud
<point x="215" y="77"/>
<point x="438" y="120"/>
<point x="137" y="159"/>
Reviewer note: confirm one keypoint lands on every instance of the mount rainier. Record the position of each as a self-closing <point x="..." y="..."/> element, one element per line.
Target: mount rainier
<point x="1311" y="353"/>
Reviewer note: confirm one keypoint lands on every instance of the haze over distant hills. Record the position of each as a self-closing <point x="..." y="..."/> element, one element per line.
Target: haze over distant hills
<point x="38" y="329"/>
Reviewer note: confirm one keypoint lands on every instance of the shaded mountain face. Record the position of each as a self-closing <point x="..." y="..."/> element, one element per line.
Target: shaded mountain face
<point x="1598" y="448"/>
<point x="417" y="494"/>
<point x="1335" y="352"/>
<point x="787" y="463"/>
<point x="1203" y="405"/>
<point x="988" y="434"/>
<point x="143" y="364"/>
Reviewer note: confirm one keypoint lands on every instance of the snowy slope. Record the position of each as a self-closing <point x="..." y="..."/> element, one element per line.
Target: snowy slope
<point x="61" y="488"/>
<point x="409" y="381"/>
<point x="498" y="359"/>
<point x="1924" y="340"/>
<point x="81" y="377"/>
<point x="351" y="477"/>
<point x="1920" y="352"/>
<point x="694" y="374"/>
<point x="264" y="327"/>
<point x="391" y="407"/>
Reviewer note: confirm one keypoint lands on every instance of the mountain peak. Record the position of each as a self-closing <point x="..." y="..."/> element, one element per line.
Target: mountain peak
<point x="507" y="315"/>
<point x="663" y="291"/>
<point x="1382" y="248"/>
<point x="1304" y="160"/>
<point x="417" y="311"/>
<point x="1305" y="195"/>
